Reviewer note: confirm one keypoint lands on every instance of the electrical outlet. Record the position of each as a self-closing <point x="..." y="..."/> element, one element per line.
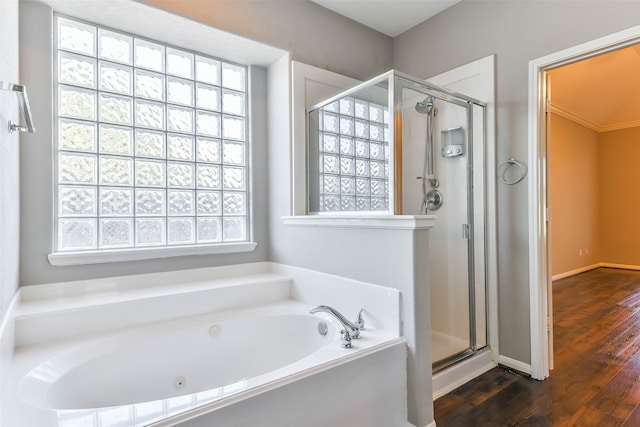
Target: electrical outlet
<point x="580" y="252"/>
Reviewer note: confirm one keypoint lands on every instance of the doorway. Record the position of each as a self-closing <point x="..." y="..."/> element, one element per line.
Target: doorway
<point x="540" y="272"/>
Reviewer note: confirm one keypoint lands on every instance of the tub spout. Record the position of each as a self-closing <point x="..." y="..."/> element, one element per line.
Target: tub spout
<point x="351" y="330"/>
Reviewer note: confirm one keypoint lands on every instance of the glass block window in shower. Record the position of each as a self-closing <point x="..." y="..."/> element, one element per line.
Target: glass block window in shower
<point x="351" y="136"/>
<point x="151" y="143"/>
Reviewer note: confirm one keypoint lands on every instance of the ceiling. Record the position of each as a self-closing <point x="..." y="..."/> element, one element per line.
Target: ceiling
<point x="391" y="17"/>
<point x="601" y="93"/>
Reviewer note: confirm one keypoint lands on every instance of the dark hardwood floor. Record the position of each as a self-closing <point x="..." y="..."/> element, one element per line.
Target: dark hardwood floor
<point x="596" y="378"/>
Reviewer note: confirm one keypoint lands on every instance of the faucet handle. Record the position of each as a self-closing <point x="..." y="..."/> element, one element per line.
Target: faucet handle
<point x="345" y="337"/>
<point x="359" y="320"/>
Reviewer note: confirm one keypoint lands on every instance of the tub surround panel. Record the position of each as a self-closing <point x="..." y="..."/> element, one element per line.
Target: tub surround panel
<point x="381" y="304"/>
<point x="150" y="282"/>
<point x="43" y="321"/>
<point x="300" y="403"/>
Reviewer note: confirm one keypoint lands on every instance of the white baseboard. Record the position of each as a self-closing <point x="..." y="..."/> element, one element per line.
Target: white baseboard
<point x="593" y="267"/>
<point x="517" y="365"/>
<point x="622" y="266"/>
<point x="576" y="271"/>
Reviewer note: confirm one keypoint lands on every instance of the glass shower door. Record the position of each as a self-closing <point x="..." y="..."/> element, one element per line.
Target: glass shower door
<point x="442" y="177"/>
<point x="449" y="252"/>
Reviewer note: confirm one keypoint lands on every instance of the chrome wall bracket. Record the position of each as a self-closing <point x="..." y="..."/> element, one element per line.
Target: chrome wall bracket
<point x="23" y="100"/>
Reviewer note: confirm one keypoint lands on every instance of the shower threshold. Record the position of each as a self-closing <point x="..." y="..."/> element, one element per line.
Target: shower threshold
<point x="447" y="350"/>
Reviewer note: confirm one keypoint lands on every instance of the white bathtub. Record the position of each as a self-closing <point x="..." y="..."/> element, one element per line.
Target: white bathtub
<point x="231" y="367"/>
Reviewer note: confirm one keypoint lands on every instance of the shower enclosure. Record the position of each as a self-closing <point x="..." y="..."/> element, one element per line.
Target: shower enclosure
<point x="400" y="146"/>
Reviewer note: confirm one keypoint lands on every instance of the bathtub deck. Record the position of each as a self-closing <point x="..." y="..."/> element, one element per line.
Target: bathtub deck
<point x="43" y="318"/>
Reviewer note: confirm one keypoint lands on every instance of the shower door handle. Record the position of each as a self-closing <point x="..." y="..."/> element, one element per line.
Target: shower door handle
<point x="466" y="231"/>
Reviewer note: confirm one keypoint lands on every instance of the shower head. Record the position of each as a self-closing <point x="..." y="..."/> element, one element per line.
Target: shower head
<point x="426" y="106"/>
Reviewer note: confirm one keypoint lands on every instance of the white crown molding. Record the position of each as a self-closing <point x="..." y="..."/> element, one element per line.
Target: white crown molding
<point x="556" y="109"/>
<point x="619" y="126"/>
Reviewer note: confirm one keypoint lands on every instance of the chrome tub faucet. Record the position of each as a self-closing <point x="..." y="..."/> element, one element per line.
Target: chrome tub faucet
<point x="350" y="331"/>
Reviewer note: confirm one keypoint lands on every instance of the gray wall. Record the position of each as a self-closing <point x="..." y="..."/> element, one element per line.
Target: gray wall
<point x="314" y="35"/>
<point x="516" y="32"/>
<point x="9" y="158"/>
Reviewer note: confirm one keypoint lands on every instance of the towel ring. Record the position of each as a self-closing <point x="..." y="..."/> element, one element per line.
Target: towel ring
<point x="505" y="166"/>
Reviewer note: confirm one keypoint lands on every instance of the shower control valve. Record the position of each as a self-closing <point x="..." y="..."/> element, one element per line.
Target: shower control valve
<point x="433" y="200"/>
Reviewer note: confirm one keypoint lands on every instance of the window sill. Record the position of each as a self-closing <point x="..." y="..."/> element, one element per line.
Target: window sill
<point x="138" y="254"/>
<point x="394" y="222"/>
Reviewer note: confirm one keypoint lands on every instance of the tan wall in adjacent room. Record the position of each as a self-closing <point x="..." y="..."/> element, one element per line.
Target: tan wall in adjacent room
<point x="620" y="196"/>
<point x="575" y="196"/>
<point x="595" y="196"/>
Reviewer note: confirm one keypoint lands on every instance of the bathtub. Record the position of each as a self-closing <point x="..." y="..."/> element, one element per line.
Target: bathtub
<point x="265" y="364"/>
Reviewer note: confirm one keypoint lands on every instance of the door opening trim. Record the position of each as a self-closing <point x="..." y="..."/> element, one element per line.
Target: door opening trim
<point x="538" y="238"/>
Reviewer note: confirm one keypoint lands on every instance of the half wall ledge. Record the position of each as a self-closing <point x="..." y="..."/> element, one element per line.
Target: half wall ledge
<point x="393" y="222"/>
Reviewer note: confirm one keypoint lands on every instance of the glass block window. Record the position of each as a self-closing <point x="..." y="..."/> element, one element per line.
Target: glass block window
<point x="354" y="156"/>
<point x="151" y="143"/>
